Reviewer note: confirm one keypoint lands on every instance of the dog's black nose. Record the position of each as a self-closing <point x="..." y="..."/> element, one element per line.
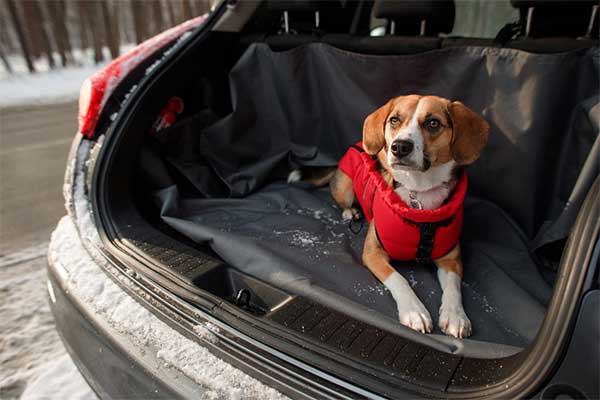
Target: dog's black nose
<point x="401" y="148"/>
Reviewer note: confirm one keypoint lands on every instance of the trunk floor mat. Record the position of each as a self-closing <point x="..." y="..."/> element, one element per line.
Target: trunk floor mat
<point x="293" y="237"/>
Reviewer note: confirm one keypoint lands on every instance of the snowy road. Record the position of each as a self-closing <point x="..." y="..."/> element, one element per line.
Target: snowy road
<point x="34" y="363"/>
<point x="34" y="142"/>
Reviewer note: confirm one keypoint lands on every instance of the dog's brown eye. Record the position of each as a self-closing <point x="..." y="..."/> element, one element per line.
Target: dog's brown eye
<point x="432" y="125"/>
<point x="394" y="120"/>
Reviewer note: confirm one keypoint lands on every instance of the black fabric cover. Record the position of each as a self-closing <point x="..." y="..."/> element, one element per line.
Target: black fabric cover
<point x="543" y="45"/>
<point x="423" y="9"/>
<point x="557" y="18"/>
<point x="292" y="5"/>
<point x="551" y="45"/>
<point x="383" y="44"/>
<point x="304" y="107"/>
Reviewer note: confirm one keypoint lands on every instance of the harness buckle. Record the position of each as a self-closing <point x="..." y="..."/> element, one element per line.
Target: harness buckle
<point x="423" y="260"/>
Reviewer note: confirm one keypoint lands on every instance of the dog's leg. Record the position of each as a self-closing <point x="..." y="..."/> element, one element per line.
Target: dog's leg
<point x="411" y="311"/>
<point x="453" y="320"/>
<point x="342" y="192"/>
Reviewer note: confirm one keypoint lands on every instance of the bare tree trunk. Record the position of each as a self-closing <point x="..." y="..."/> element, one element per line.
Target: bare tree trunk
<point x="45" y="36"/>
<point x="83" y="25"/>
<point x="171" y="13"/>
<point x="7" y="41"/>
<point x="32" y="27"/>
<point x="92" y="13"/>
<point x="187" y="10"/>
<point x="202" y="6"/>
<point x="116" y="24"/>
<point x="57" y="14"/>
<point x="14" y="15"/>
<point x="111" y="28"/>
<point x="157" y="16"/>
<point x="177" y="6"/>
<point x="64" y="31"/>
<point x="5" y="60"/>
<point x="126" y="22"/>
<point x="54" y="14"/>
<point x="139" y="20"/>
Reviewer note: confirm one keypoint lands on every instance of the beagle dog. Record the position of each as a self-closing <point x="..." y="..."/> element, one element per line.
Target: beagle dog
<point x="419" y="145"/>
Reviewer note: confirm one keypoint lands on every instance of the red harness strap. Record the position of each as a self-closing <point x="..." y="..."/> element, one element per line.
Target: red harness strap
<point x="405" y="233"/>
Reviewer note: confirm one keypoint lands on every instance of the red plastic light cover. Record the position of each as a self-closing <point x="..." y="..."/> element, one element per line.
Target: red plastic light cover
<point x="96" y="89"/>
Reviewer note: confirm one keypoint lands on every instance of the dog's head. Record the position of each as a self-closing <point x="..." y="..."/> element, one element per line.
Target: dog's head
<point x="418" y="132"/>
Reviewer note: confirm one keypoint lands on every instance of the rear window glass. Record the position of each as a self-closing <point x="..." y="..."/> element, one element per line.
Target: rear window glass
<point x="482" y="19"/>
<point x="474" y="18"/>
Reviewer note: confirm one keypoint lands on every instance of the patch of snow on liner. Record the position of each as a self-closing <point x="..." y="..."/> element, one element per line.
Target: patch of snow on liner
<point x="361" y="289"/>
<point x="321" y="216"/>
<point x="87" y="281"/>
<point x="411" y="279"/>
<point x="299" y="238"/>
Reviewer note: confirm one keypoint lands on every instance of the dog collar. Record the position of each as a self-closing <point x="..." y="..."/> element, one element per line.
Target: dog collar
<point x="414" y="201"/>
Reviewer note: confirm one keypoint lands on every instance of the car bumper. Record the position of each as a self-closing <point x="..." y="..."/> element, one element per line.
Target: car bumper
<point x="122" y="349"/>
<point x="99" y="351"/>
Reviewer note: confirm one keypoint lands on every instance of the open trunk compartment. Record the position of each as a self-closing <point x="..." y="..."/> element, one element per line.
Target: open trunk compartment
<point x="215" y="182"/>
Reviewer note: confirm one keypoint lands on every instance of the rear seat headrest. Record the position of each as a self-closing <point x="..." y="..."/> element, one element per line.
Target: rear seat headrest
<point x="438" y="14"/>
<point x="547" y="3"/>
<point x="558" y="18"/>
<point x="292" y="5"/>
<point x="297" y="7"/>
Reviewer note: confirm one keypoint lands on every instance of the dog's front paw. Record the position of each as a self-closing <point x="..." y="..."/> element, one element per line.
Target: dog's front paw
<point x="350" y="214"/>
<point x="415" y="316"/>
<point x="411" y="312"/>
<point x="454" y="322"/>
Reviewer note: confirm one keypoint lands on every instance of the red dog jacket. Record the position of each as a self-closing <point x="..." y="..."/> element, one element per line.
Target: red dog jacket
<point x="405" y="233"/>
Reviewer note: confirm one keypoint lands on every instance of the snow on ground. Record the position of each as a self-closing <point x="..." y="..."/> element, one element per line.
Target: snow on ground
<point x="46" y="85"/>
<point x="34" y="363"/>
<point x="58" y="379"/>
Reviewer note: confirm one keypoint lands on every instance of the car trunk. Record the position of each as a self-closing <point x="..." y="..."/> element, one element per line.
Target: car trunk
<point x="214" y="182"/>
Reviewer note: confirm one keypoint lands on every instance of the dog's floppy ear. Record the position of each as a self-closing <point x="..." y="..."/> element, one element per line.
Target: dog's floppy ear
<point x="469" y="133"/>
<point x="374" y="127"/>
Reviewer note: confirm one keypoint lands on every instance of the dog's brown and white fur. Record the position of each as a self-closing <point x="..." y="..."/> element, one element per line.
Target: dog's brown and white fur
<point x="442" y="137"/>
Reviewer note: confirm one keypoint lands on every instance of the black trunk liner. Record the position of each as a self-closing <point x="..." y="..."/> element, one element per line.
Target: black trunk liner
<point x="275" y="236"/>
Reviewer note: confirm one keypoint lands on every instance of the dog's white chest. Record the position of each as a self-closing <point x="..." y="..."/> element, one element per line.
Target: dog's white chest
<point x="428" y="200"/>
<point x="426" y="190"/>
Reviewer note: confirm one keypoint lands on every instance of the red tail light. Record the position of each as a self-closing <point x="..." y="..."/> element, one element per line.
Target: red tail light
<point x="96" y="90"/>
